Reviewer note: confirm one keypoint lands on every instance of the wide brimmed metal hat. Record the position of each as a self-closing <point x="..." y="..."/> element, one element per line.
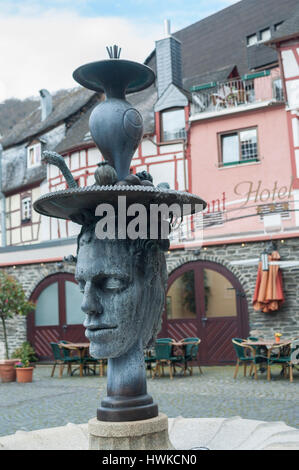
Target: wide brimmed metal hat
<point x="78" y="204"/>
<point x="132" y="76"/>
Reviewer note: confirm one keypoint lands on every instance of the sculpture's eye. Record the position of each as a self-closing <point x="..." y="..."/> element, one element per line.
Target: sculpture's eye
<point x="113" y="284"/>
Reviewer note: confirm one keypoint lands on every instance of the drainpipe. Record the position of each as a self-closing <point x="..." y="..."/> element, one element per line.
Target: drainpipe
<point x="2" y="207"/>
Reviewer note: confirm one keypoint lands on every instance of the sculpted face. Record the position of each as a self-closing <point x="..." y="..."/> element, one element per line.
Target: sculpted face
<point x="117" y="297"/>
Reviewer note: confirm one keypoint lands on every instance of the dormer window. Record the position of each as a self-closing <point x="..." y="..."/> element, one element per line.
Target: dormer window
<point x="252" y="39"/>
<point x="261" y="36"/>
<point x="33" y="155"/>
<point x="265" y="34"/>
<point x="277" y="26"/>
<point x="173" y="124"/>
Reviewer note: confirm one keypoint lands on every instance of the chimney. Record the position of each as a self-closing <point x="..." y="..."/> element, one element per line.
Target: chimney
<point x="46" y="103"/>
<point x="169" y="60"/>
<point x="167" y="28"/>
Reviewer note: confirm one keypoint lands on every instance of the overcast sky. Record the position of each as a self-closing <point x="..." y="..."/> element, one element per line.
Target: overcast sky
<point x="42" y="42"/>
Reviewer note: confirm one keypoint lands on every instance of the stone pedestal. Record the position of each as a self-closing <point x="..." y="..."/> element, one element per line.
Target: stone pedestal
<point x="149" y="434"/>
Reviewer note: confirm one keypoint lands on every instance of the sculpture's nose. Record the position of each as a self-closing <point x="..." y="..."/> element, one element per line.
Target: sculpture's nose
<point x="91" y="304"/>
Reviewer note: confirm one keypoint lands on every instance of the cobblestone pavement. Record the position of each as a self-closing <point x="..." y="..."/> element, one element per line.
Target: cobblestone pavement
<point x="49" y="402"/>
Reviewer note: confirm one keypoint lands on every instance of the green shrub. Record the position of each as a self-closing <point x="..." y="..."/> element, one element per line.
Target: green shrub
<point x="12" y="302"/>
<point x="25" y="352"/>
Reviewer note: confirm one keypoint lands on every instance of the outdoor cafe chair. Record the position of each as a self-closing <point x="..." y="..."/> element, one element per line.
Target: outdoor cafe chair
<point x="60" y="359"/>
<point x="260" y="354"/>
<point x="286" y="356"/>
<point x="89" y="362"/>
<point x="190" y="353"/>
<point x="68" y="358"/>
<point x="57" y="358"/>
<point x="164" y="356"/>
<point x="295" y="353"/>
<point x="67" y="353"/>
<point x="244" y="357"/>
<point x="150" y="360"/>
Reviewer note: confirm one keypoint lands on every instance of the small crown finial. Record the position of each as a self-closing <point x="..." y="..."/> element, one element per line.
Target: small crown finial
<point x="113" y="51"/>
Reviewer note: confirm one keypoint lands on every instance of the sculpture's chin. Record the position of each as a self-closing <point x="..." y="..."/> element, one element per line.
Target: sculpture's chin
<point x="107" y="350"/>
<point x="97" y="351"/>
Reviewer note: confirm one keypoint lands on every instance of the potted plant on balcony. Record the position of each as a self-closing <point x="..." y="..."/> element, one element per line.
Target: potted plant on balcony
<point x="12" y="302"/>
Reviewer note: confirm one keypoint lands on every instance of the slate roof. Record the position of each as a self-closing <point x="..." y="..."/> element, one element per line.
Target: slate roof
<point x="289" y="28"/>
<point x="63" y="107"/>
<point x="78" y="134"/>
<point x="66" y="109"/>
<point x="219" y="75"/>
<point x="16" y="174"/>
<point x="220" y="39"/>
<point x="144" y="102"/>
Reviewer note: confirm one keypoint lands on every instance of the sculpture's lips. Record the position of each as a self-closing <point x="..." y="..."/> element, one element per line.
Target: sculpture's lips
<point x="103" y="326"/>
<point x="93" y="331"/>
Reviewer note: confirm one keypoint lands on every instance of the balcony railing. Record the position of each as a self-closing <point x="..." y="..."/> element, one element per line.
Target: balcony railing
<point x="219" y="96"/>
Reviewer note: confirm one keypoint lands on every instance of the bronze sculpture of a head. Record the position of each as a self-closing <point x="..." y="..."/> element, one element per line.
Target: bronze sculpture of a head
<point x="123" y="282"/>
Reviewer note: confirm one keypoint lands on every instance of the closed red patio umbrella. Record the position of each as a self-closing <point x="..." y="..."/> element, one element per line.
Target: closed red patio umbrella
<point x="268" y="295"/>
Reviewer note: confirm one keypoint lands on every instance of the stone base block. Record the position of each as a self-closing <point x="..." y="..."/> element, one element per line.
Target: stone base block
<point x="149" y="434"/>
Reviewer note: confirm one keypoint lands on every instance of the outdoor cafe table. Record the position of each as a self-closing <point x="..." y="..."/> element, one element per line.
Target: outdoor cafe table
<point x="81" y="348"/>
<point x="183" y="344"/>
<point x="270" y="345"/>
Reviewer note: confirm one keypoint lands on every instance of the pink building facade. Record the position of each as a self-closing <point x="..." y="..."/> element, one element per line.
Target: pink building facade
<point x="244" y="194"/>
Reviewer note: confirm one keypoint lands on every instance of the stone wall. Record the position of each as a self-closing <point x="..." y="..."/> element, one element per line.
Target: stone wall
<point x="286" y="320"/>
<point x="29" y="276"/>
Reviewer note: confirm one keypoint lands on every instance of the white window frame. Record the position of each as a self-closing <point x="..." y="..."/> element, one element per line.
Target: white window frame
<point x="237" y="157"/>
<point x="263" y="31"/>
<point x="256" y="38"/>
<point x="278" y="90"/>
<point x="36" y="148"/>
<point x="252" y="36"/>
<point x="164" y="132"/>
<point x="26" y="209"/>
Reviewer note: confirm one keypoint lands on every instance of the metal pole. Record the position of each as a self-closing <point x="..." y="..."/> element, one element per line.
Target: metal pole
<point x="3" y="208"/>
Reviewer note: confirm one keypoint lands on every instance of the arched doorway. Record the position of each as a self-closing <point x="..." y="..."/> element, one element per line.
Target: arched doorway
<point x="57" y="315"/>
<point x="204" y="299"/>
